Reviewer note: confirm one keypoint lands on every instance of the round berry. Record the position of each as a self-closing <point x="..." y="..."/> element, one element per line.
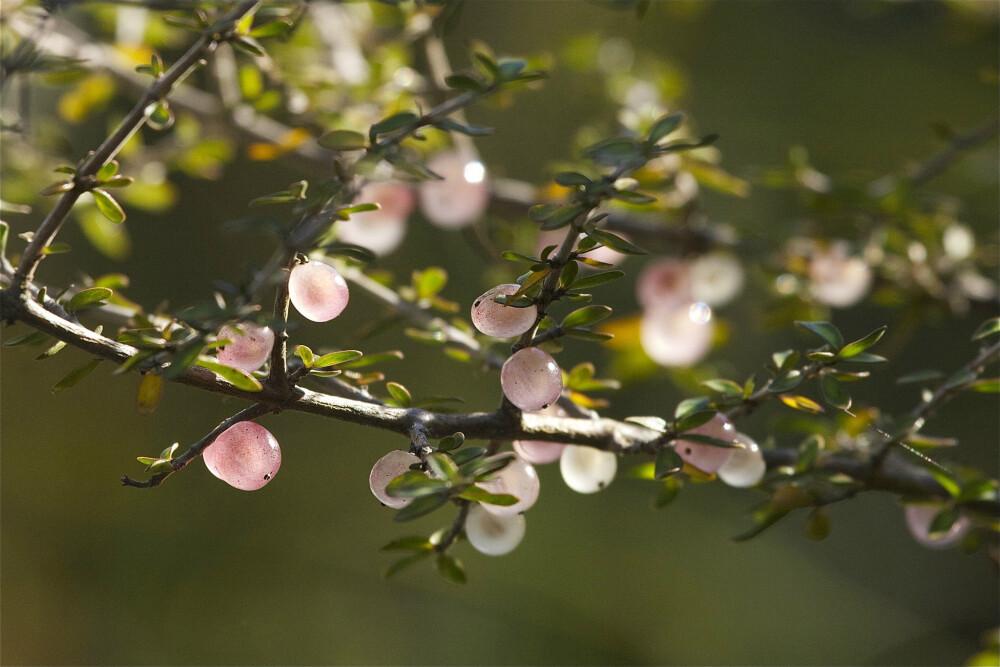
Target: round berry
<point x="919" y="519"/>
<point x="317" y="291"/>
<point x="386" y="469"/>
<point x="587" y="470"/>
<point x="383" y="230"/>
<point x="531" y="379"/>
<point x="677" y="335"/>
<point x="664" y="283"/>
<point x="245" y="456"/>
<point x="249" y="350"/>
<point x="744" y="467"/>
<point x="461" y="197"/>
<point x="500" y="321"/>
<point x="491" y="534"/>
<point x="716" y="278"/>
<point x="540" y="451"/>
<point x="519" y="479"/>
<point x="708" y="458"/>
<point x="837" y="278"/>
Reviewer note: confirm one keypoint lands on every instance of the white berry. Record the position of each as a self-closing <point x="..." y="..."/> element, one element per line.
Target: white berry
<point x="491" y="534"/>
<point x="519" y="479"/>
<point x="386" y="469"/>
<point x="461" y="198"/>
<point x="677" y="335"/>
<point x="383" y="230"/>
<point x="587" y="470"/>
<point x="317" y="291"/>
<point x="744" y="467"/>
<point x="837" y="278"/>
<point x="716" y="278"/>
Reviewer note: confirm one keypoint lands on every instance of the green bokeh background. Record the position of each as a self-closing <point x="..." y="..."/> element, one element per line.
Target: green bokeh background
<point x="195" y="572"/>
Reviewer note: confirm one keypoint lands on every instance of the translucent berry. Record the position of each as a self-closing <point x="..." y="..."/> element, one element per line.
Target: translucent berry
<point x="664" y="283"/>
<point x="245" y="456"/>
<point x="491" y="534"/>
<point x="386" y="469"/>
<point x="539" y="451"/>
<point x="708" y="458"/>
<point x="919" y="519"/>
<point x="587" y="470"/>
<point x="744" y="467"/>
<point x="716" y="278"/>
<point x="518" y="478"/>
<point x="383" y="230"/>
<point x="461" y="198"/>
<point x="531" y="379"/>
<point x="837" y="278"/>
<point x="677" y="335"/>
<point x="500" y="321"/>
<point x="248" y="350"/>
<point x="317" y="291"/>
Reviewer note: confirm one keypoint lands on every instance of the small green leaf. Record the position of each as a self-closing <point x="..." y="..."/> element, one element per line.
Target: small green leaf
<point x="694" y="419"/>
<point x="588" y="335"/>
<point x="834" y="393"/>
<point x="724" y="387"/>
<point x="463" y="456"/>
<point x="108" y="170"/>
<point x="4" y="235"/>
<point x="274" y="28"/>
<point x="421" y="506"/>
<point x="801" y="403"/>
<point x="668" y="492"/>
<point x="409" y="543"/>
<point x="55" y="249"/>
<point x="451" y="442"/>
<point x="51" y="351"/>
<point x="56" y="188"/>
<point x="342" y="140"/>
<point x="615" y="242"/>
<point x="234" y="376"/>
<point x="404" y="563"/>
<point x="867" y="358"/>
<point x="88" y="297"/>
<point x="159" y="115"/>
<point x="667" y="463"/>
<point x="562" y="217"/>
<point x="512" y="256"/>
<point x="596" y="279"/>
<point x="586" y="316"/>
<point x="400" y="394"/>
<point x="107" y="205"/>
<point x="542" y="212"/>
<point x="858" y="346"/>
<point x="785" y="360"/>
<point x="451" y="125"/>
<point x="464" y="82"/>
<point x="392" y="123"/>
<point x="442" y="467"/>
<point x="987" y="328"/>
<point x="785" y="382"/>
<point x="826" y="331"/>
<point x="480" y="495"/>
<point x="306" y="355"/>
<point x="185" y="355"/>
<point x="631" y="197"/>
<point x="615" y="152"/>
<point x="664" y="126"/>
<point x="430" y="281"/>
<point x="370" y="359"/>
<point x="451" y="568"/>
<point x="249" y="45"/>
<point x="571" y="178"/>
<point x="415" y="484"/>
<point x="921" y="377"/>
<point x="118" y="182"/>
<point x="986" y="386"/>
<point x="808" y="451"/>
<point x="818" y="525"/>
<point x="942" y="522"/>
<point x="76" y="375"/>
<point x="657" y="424"/>
<point x="340" y="358"/>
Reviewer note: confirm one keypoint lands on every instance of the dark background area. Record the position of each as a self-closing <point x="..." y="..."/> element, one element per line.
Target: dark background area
<point x="195" y="572"/>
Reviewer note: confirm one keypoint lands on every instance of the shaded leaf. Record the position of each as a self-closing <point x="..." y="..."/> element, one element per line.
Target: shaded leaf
<point x="409" y="543"/>
<point x="400" y="394"/>
<point x="75" y="375"/>
<point x="664" y="126"/>
<point x="342" y="140"/>
<point x="404" y="563"/>
<point x="585" y="316"/>
<point x="480" y="495"/>
<point x="421" y="506"/>
<point x="149" y="394"/>
<point x="451" y="568"/>
<point x="987" y="328"/>
<point x="615" y="242"/>
<point x="88" y="297"/>
<point x="834" y="393"/>
<point x="667" y="463"/>
<point x="826" y="331"/>
<point x="234" y="376"/>
<point x="596" y="279"/>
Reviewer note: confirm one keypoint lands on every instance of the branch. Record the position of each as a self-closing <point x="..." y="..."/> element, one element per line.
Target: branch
<point x="960" y="143"/>
<point x="83" y="179"/>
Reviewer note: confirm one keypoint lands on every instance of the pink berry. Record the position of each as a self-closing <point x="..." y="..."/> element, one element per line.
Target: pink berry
<point x="461" y="198"/>
<point x="519" y="479"/>
<point x="677" y="335"/>
<point x="249" y="350"/>
<point x="919" y="519"/>
<point x="245" y="456"/>
<point x="708" y="458"/>
<point x="500" y="321"/>
<point x="531" y="379"/>
<point x="539" y="451"/>
<point x="386" y="469"/>
<point x="383" y="230"/>
<point x="317" y="291"/>
<point x="664" y="283"/>
<point x="744" y="467"/>
<point x="837" y="278"/>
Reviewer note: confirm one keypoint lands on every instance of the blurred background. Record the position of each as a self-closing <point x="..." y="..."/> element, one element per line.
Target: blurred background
<point x="195" y="572"/>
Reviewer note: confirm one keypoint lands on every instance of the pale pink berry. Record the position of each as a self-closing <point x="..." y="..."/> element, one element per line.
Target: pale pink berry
<point x="317" y="291"/>
<point x="245" y="456"/>
<point x="538" y="451"/>
<point x="708" y="458"/>
<point x="383" y="230"/>
<point x="386" y="469"/>
<point x="247" y="351"/>
<point x="531" y="379"/>
<point x="519" y="479"/>
<point x="587" y="470"/>
<point x="491" y="534"/>
<point x="919" y="519"/>
<point x="716" y="278"/>
<point x="500" y="321"/>
<point x="744" y="467"/>
<point x="664" y="283"/>
<point x="677" y="335"/>
<point x="461" y="198"/>
<point x="837" y="278"/>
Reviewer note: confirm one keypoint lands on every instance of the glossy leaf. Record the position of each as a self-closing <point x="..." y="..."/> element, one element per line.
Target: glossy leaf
<point x="859" y="346"/>
<point x="987" y="328"/>
<point x="341" y="358"/>
<point x="826" y="331"/>
<point x="586" y="316"/>
<point x="400" y="394"/>
<point x="615" y="242"/>
<point x="596" y="279"/>
<point x="107" y="205"/>
<point x="801" y="403"/>
<point x="234" y="376"/>
<point x="667" y="463"/>
<point x="480" y="495"/>
<point x="664" y="126"/>
<point x="421" y="506"/>
<point x="88" y="298"/>
<point x="834" y="393"/>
